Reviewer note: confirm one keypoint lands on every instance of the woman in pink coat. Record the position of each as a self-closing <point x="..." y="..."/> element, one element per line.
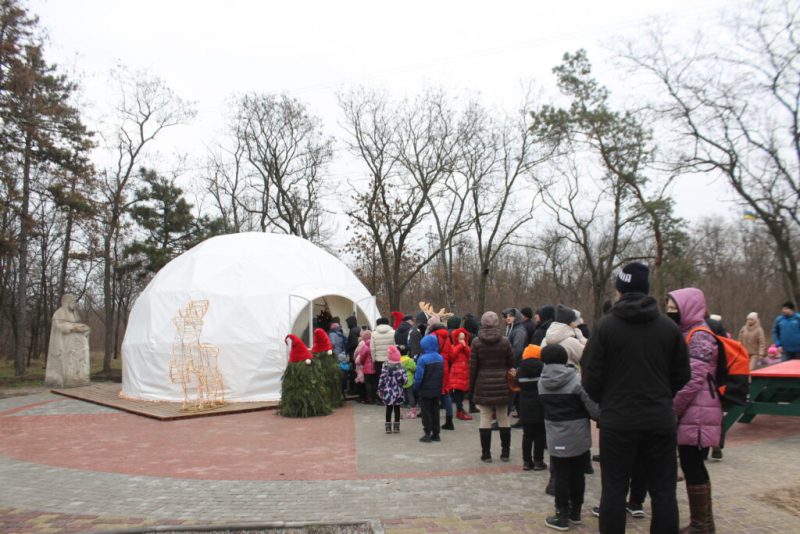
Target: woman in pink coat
<point x="365" y="367"/>
<point x="697" y="405"/>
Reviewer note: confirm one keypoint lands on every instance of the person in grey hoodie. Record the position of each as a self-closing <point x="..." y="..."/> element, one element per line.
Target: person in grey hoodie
<point x="515" y="332"/>
<point x="567" y="409"/>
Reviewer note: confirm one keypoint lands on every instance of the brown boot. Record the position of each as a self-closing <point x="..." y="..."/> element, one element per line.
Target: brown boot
<point x="710" y="527"/>
<point x="700" y="521"/>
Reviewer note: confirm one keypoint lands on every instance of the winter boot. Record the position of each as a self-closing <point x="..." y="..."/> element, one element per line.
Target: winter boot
<point x="388" y="428"/>
<point x="560" y="521"/>
<point x="448" y="423"/>
<point x="505" y="444"/>
<point x="426" y="438"/>
<point x="397" y="427"/>
<point x="473" y="408"/>
<point x="700" y="522"/>
<point x="486" y="444"/>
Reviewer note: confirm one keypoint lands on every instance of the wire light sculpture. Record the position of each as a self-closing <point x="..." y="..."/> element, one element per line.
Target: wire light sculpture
<point x="194" y="364"/>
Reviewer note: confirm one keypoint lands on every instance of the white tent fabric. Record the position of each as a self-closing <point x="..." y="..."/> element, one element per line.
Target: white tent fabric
<point x="258" y="288"/>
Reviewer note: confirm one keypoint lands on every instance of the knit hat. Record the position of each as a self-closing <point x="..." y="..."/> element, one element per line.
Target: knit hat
<point x="470" y="324"/>
<point x="565" y="315"/>
<point x="532" y="351"/>
<point x="393" y="354"/>
<point x="752" y="315"/>
<point x="454" y="322"/>
<point x="489" y="319"/>
<point x="554" y="354"/>
<point x="397" y="317"/>
<point x="634" y="278"/>
<point x="546" y="313"/>
<point x="527" y="312"/>
<point x="322" y="343"/>
<point x="299" y="352"/>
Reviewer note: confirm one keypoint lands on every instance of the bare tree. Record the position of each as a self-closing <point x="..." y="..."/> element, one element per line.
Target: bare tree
<point x="146" y="108"/>
<point x="737" y="113"/>
<point x="287" y="151"/>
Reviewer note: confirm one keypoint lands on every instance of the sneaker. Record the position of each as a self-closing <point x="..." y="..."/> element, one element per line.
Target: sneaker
<point x="436" y="438"/>
<point x="575" y="516"/>
<point x="557" y="522"/>
<point x="716" y="453"/>
<point x="527" y="466"/>
<point x="636" y="510"/>
<point x="539" y="466"/>
<point x="589" y="470"/>
<point x="596" y="511"/>
<point x="425" y="439"/>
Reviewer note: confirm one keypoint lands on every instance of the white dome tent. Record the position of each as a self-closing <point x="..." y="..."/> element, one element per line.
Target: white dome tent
<point x="258" y="288"/>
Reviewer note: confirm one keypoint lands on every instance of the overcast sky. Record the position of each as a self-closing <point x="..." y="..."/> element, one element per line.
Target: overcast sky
<point x="208" y="51"/>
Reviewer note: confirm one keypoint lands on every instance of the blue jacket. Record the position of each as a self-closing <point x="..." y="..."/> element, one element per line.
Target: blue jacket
<point x="338" y="341"/>
<point x="430" y="369"/>
<point x="786" y="332"/>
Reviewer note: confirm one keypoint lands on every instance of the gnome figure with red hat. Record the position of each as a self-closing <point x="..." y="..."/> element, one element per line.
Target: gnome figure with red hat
<point x="303" y="387"/>
<point x="322" y="349"/>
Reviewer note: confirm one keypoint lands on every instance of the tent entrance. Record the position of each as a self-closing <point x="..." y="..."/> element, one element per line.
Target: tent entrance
<point x="304" y="313"/>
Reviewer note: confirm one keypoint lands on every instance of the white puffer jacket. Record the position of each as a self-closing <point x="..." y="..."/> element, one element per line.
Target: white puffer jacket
<point x="382" y="337"/>
<point x="570" y="338"/>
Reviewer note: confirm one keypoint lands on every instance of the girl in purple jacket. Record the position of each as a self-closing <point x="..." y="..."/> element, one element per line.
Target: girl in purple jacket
<point x="697" y="405"/>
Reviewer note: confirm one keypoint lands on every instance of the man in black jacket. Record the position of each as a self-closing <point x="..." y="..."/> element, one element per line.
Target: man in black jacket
<point x="632" y="366"/>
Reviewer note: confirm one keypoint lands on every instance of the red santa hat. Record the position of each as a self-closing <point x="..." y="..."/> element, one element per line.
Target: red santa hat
<point x="299" y="351"/>
<point x="322" y="343"/>
<point x="398" y="318"/>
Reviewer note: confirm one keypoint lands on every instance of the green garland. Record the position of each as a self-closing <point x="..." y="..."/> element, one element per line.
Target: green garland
<point x="303" y="390"/>
<point x="332" y="376"/>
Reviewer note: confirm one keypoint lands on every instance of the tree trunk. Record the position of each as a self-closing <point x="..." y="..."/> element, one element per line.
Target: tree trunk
<point x="483" y="282"/>
<point x="21" y="304"/>
<point x="108" y="302"/>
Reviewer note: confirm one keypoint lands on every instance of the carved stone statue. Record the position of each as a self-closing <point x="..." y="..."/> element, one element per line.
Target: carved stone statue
<point x="68" y="354"/>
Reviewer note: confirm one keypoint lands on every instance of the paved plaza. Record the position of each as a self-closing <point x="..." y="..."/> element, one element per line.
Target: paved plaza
<point x="70" y="466"/>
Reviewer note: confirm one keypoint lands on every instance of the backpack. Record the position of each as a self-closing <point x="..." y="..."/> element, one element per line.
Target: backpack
<point x="732" y="376"/>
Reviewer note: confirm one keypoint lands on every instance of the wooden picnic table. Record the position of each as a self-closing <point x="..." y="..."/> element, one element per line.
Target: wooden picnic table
<point x="774" y="390"/>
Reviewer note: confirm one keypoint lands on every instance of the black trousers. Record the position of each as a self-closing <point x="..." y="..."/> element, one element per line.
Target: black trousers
<point x="569" y="480"/>
<point x="619" y="450"/>
<point x="693" y="464"/>
<point x="458" y="397"/>
<point x="533" y="436"/>
<point x="430" y="415"/>
<point x="638" y="482"/>
<point x="393" y="410"/>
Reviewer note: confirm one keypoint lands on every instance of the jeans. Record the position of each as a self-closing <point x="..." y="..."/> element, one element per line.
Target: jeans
<point x="655" y="449"/>
<point x="448" y="405"/>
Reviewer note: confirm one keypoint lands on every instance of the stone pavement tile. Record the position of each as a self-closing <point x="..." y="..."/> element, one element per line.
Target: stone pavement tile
<point x="14" y="520"/>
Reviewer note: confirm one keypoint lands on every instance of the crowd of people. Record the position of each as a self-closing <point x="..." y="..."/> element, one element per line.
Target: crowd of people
<point x="647" y="378"/>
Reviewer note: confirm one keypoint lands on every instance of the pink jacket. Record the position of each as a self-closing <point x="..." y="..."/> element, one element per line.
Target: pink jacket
<point x="697" y="405"/>
<point x="363" y="354"/>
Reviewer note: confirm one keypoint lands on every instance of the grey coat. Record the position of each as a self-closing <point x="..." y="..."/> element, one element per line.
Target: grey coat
<point x="567" y="409"/>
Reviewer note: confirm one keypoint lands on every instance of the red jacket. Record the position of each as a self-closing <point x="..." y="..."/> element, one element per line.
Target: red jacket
<point x="446" y="350"/>
<point x="459" y="368"/>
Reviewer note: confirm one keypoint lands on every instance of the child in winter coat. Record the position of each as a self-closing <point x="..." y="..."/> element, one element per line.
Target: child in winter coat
<point x="428" y="386"/>
<point x="390" y="387"/>
<point x="459" y="371"/>
<point x="530" y="409"/>
<point x="567" y="409"/>
<point x="410" y="367"/>
<point x="365" y="367"/>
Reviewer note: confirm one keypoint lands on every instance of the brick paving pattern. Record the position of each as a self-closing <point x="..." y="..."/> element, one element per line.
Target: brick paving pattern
<point x="66" y="466"/>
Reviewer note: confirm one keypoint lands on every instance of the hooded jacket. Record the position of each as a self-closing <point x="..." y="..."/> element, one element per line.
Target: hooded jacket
<point x="430" y="369"/>
<point x="353" y="335"/>
<point x="528" y="375"/>
<point x="382" y="337"/>
<point x="697" y="405"/>
<point x="516" y="333"/>
<point x="416" y="333"/>
<point x="567" y="409"/>
<point x="491" y="359"/>
<point x="363" y="355"/>
<point x="786" y="332"/>
<point x="633" y="364"/>
<point x="401" y="335"/>
<point x="546" y="315"/>
<point x="459" y="366"/>
<point x="338" y="340"/>
<point x="445" y="349"/>
<point x="570" y="338"/>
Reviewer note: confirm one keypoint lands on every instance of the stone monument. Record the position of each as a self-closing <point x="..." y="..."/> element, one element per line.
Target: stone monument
<point x="68" y="353"/>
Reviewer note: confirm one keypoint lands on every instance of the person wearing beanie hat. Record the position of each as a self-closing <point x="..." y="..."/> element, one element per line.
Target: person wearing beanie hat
<point x="530" y="409"/>
<point x="492" y="358"/>
<point x="453" y="323"/>
<point x="382" y="337"/>
<point x="458" y="381"/>
<point x="567" y="409"/>
<point x="329" y="364"/>
<point x="633" y="364"/>
<point x="564" y="332"/>
<point x="300" y="396"/>
<point x="752" y="337"/>
<point x="471" y="324"/>
<point x="527" y="323"/>
<point x="401" y="333"/>
<point x="390" y="388"/>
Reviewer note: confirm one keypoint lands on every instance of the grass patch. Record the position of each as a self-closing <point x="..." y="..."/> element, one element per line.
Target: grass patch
<point x="34" y="374"/>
